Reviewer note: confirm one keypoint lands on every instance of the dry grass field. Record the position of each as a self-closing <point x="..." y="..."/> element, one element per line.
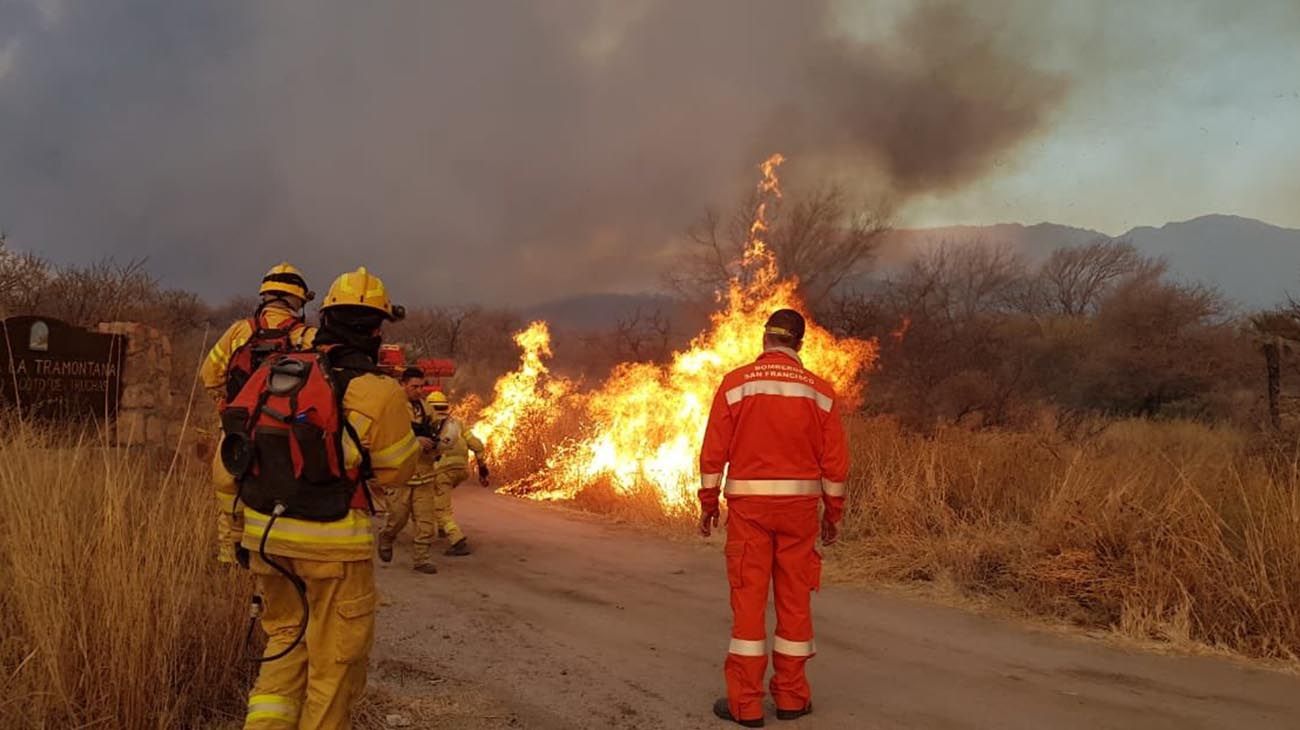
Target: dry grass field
<point x="1172" y="531"/>
<point x="113" y="612"/>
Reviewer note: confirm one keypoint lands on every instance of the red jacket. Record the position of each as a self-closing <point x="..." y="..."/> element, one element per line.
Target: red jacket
<point x="775" y="428"/>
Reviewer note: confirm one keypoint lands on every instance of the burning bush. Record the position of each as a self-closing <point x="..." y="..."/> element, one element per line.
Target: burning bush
<point x="641" y="428"/>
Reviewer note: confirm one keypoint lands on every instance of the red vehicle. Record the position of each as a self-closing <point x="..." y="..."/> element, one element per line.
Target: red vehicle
<point x="392" y="360"/>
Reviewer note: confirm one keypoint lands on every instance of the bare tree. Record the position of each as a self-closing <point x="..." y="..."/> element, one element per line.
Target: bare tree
<point x="438" y="331"/>
<point x="1156" y="345"/>
<point x="954" y="283"/>
<point x="23" y="278"/>
<point x="819" y="239"/>
<point x="643" y="336"/>
<point x="1074" y="280"/>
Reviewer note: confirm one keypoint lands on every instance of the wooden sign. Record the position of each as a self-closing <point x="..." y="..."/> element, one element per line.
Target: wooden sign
<point x="51" y="369"/>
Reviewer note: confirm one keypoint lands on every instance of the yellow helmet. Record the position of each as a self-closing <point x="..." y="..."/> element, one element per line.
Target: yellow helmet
<point x="438" y="401"/>
<point x="361" y="288"/>
<point x="285" y="278"/>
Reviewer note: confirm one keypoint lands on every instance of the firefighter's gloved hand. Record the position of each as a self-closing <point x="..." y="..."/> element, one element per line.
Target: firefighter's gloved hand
<point x="483" y="474"/>
<point x="709" y="519"/>
<point x="830" y="532"/>
<point x="426" y="444"/>
<point x="241" y="556"/>
<point x="710" y="511"/>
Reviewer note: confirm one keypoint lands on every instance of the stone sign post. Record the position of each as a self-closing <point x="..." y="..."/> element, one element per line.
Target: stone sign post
<point x="51" y="369"/>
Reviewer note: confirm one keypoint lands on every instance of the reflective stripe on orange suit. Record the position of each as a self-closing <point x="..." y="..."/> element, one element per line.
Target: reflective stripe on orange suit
<point x="316" y="685"/>
<point x="774" y="430"/>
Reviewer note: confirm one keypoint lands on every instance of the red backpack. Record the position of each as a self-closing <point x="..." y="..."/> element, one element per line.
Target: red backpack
<point x="264" y="342"/>
<point x="284" y="436"/>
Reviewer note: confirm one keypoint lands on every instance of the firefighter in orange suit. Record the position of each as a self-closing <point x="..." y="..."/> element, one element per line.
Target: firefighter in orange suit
<point x="316" y="684"/>
<point x="775" y="429"/>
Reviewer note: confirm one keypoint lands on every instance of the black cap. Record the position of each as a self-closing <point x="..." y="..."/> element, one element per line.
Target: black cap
<point x="785" y="323"/>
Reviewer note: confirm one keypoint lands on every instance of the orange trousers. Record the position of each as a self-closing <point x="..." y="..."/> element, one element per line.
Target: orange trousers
<point x="771" y="548"/>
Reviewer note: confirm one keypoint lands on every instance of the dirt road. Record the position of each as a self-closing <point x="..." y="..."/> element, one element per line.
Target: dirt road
<point x="562" y="621"/>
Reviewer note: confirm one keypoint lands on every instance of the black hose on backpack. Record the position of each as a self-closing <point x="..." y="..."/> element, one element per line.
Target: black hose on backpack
<point x="298" y="585"/>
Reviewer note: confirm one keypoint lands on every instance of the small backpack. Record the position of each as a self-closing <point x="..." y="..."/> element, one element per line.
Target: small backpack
<point x="449" y="432"/>
<point x="264" y="342"/>
<point x="284" y="436"/>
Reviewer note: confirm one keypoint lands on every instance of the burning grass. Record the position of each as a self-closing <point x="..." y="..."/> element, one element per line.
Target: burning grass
<point x="113" y="612"/>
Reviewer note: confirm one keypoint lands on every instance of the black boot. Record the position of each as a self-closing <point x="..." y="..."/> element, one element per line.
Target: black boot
<point x="722" y="709"/>
<point x="459" y="549"/>
<point x="793" y="714"/>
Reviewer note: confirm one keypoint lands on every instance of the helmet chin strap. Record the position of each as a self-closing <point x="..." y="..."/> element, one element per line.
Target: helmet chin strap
<point x="281" y="298"/>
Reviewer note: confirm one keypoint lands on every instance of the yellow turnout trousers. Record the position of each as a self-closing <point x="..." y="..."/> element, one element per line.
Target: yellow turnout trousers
<point x="316" y="685"/>
<point x="444" y="482"/>
<point x="417" y="503"/>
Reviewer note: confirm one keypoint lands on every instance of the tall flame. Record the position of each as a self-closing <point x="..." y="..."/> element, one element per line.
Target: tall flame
<point x="526" y="396"/>
<point x="643" y="426"/>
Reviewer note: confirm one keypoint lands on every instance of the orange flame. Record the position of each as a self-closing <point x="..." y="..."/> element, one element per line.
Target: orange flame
<point x="525" y="395"/>
<point x="644" y="424"/>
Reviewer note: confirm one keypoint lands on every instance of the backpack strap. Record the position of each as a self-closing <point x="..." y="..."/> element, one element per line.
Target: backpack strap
<point x="285" y="328"/>
<point x="342" y="367"/>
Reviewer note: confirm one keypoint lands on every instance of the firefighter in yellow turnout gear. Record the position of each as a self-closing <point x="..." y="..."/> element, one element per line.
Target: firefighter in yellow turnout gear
<point x="415" y="501"/>
<point x="283" y="294"/>
<point x="316" y="684"/>
<point x="453" y="444"/>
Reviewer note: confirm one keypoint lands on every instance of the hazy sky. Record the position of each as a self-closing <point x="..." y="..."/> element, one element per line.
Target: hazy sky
<point x="513" y="151"/>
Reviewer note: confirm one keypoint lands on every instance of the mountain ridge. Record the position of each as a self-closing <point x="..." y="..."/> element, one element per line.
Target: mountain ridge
<point x="1253" y="262"/>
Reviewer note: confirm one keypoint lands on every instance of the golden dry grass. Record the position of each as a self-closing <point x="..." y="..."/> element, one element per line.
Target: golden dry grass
<point x="1170" y="531"/>
<point x="113" y="612"/>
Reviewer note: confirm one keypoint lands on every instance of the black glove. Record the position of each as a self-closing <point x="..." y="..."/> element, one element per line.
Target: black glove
<point x="483" y="474"/>
<point x="241" y="556"/>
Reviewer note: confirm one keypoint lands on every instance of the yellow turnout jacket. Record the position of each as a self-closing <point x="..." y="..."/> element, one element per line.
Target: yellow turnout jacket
<point x="273" y="316"/>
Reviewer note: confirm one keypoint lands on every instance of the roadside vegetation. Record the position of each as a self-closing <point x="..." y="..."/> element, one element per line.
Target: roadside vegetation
<point x="113" y="610"/>
<point x="1173" y="531"/>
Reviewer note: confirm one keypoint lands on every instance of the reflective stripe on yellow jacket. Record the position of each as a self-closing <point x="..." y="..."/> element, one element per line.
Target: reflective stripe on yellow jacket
<point x="213" y="372"/>
<point x="376" y="407"/>
<point x="457" y="455"/>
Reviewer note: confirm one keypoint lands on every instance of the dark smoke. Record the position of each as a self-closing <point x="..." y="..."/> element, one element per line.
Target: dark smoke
<point x="930" y="119"/>
<point x="500" y="151"/>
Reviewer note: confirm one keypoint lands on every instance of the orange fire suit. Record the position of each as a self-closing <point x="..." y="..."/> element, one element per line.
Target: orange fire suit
<point x="775" y="429"/>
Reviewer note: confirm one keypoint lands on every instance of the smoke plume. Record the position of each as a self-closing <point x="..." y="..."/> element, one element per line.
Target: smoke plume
<point x="497" y="152"/>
